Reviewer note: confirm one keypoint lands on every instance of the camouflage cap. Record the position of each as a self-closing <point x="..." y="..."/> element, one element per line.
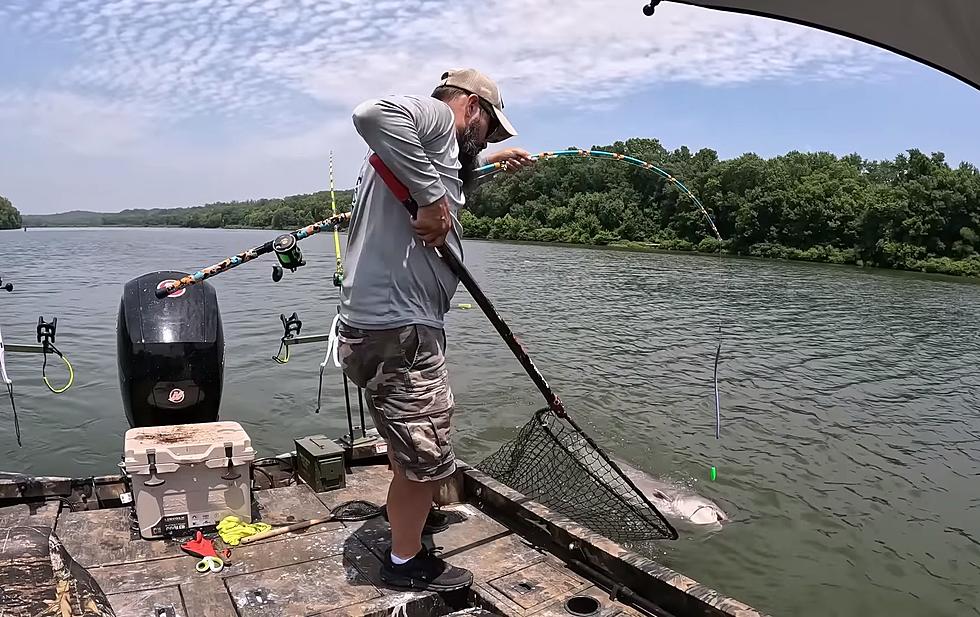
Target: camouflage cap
<point x="477" y="83"/>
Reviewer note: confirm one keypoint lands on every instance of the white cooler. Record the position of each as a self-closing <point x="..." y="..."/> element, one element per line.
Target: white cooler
<point x="189" y="475"/>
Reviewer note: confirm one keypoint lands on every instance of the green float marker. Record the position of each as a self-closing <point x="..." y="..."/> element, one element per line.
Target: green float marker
<point x="714" y="473"/>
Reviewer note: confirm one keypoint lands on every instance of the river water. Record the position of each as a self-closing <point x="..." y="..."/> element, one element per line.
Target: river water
<point x="849" y="457"/>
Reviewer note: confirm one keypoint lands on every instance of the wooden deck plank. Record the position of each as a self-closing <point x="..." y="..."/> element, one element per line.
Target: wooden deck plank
<point x="43" y="514"/>
<point x="207" y="597"/>
<point x="148" y="603"/>
<point x="477" y="543"/>
<point x="538" y="585"/>
<point x="393" y="601"/>
<point x="482" y="545"/>
<point x="608" y="608"/>
<point x="300" y="589"/>
<point x="26" y="573"/>
<point x="493" y="559"/>
<point x="284" y="505"/>
<point x="404" y="604"/>
<point x="368" y="483"/>
<point x="102" y="537"/>
<point x="469" y="527"/>
<point x="244" y="559"/>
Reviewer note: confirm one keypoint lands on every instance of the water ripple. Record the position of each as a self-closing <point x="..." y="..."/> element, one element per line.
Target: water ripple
<point x="850" y="447"/>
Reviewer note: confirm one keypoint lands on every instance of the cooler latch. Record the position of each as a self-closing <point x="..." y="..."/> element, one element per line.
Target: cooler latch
<point x="231" y="474"/>
<point x="151" y="458"/>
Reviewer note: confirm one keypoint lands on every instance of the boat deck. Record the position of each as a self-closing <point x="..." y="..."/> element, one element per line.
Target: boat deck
<point x="328" y="569"/>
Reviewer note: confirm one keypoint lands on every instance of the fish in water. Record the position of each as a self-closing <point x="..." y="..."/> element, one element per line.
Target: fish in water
<point x="675" y="502"/>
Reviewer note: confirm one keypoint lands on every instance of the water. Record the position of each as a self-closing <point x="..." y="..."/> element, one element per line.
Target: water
<point x="848" y="458"/>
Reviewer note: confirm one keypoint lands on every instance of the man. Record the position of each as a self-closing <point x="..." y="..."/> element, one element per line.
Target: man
<point x="397" y="290"/>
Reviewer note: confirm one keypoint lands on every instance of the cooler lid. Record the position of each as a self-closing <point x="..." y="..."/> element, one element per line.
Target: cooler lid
<point x="188" y="443"/>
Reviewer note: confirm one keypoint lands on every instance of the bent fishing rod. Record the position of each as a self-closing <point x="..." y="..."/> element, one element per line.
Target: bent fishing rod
<point x="401" y="193"/>
<point x="491" y="169"/>
<point x="290" y="257"/>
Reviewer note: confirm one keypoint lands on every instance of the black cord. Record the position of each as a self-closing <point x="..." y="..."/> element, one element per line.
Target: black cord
<point x="10" y="390"/>
<point x="272" y="483"/>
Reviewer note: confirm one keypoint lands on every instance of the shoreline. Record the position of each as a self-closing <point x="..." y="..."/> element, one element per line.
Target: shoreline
<point x="656" y="248"/>
<point x="622" y="246"/>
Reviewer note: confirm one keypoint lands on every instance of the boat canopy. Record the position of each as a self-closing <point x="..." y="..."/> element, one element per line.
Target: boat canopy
<point x="939" y="33"/>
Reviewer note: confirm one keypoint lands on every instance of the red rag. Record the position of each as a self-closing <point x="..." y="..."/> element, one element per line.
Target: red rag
<point x="200" y="546"/>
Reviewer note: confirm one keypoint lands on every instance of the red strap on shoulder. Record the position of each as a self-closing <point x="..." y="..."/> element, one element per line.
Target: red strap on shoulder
<point x="399" y="190"/>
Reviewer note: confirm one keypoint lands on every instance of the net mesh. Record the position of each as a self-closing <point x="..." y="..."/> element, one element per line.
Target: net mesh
<point x="553" y="462"/>
<point x="355" y="510"/>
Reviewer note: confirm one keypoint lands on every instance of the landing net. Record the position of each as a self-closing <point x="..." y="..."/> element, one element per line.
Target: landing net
<point x="552" y="461"/>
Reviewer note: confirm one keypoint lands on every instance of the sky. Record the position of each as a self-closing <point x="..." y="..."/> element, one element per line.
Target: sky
<point x="114" y="104"/>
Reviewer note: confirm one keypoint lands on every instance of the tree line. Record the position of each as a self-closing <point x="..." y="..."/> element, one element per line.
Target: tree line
<point x="9" y="216"/>
<point x="915" y="212"/>
<point x="289" y="212"/>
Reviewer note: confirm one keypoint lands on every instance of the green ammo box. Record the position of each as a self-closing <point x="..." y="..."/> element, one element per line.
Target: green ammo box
<point x="320" y="463"/>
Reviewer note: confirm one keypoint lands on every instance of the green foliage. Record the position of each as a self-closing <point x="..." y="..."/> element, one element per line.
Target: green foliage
<point x="9" y="216"/>
<point x="915" y="212"/>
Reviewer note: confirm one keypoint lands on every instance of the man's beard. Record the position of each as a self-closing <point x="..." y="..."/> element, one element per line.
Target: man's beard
<point x="469" y="152"/>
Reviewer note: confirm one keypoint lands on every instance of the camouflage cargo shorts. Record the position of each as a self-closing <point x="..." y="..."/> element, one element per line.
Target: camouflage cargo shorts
<point x="403" y="372"/>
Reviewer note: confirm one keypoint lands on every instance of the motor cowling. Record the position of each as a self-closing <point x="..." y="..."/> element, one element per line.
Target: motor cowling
<point x="170" y="352"/>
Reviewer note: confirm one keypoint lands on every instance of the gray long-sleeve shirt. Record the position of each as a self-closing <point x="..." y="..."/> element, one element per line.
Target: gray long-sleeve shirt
<point x="391" y="278"/>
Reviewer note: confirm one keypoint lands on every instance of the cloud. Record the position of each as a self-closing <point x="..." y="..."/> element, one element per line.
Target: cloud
<point x="286" y="73"/>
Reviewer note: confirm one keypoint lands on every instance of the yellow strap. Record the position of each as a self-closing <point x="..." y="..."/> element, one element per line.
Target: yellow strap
<point x="71" y="377"/>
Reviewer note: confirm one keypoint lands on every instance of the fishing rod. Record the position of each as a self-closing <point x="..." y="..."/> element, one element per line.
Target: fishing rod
<point x="290" y="257"/>
<point x="338" y="275"/>
<point x="286" y="248"/>
<point x="491" y="169"/>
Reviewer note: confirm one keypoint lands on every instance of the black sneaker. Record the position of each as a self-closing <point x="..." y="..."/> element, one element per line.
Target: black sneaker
<point x="425" y="571"/>
<point x="436" y="521"/>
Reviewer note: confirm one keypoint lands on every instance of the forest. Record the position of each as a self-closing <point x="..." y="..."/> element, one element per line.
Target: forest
<point x="289" y="212"/>
<point x="915" y="212"/>
<point x="9" y="216"/>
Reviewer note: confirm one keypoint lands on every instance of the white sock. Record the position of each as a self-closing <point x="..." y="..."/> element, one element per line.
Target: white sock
<point x="395" y="559"/>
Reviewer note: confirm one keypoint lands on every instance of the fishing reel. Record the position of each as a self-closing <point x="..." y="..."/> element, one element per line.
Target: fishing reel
<point x="286" y="248"/>
<point x="7" y="287"/>
<point x="649" y="9"/>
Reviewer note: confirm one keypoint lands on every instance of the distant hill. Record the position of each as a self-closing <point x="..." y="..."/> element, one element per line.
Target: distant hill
<point x="75" y="218"/>
<point x="283" y="213"/>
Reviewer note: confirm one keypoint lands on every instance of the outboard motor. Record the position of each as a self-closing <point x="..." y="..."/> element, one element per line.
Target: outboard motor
<point x="170" y="352"/>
